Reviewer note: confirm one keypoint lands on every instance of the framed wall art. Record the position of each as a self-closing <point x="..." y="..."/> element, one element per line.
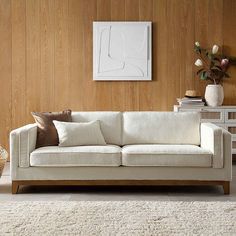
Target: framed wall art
<point x="122" y="51"/>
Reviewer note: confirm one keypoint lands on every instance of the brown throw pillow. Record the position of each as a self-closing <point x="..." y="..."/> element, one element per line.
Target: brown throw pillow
<point x="47" y="133"/>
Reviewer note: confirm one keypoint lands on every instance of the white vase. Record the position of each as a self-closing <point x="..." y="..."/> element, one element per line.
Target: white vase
<point x="214" y="95"/>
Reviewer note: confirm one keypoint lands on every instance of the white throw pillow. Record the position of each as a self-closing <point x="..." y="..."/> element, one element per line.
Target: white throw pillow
<point x="78" y="134"/>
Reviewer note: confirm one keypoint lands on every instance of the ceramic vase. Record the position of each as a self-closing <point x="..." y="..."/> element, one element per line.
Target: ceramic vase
<point x="214" y="95"/>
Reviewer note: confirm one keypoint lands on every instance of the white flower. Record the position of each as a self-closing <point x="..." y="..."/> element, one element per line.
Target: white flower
<point x="198" y="62"/>
<point x="197" y="44"/>
<point x="215" y="49"/>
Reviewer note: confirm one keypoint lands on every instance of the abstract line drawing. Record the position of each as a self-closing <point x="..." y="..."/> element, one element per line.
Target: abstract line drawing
<point x="122" y="51"/>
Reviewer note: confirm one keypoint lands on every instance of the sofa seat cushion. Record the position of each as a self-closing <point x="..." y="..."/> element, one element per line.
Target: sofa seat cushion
<point x="166" y="155"/>
<point x="108" y="155"/>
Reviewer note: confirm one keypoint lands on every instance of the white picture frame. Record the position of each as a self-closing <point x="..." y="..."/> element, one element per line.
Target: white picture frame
<point x="122" y="51"/>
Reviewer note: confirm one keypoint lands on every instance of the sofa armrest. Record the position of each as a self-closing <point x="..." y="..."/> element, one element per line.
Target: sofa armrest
<point x="22" y="143"/>
<point x="212" y="140"/>
<point x="227" y="152"/>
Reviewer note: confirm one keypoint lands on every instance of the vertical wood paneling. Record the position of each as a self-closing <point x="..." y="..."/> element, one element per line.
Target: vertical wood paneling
<point x="146" y="89"/>
<point x="104" y="89"/>
<point x="89" y="91"/>
<point x="33" y="58"/>
<point x="46" y="56"/>
<point x="76" y="48"/>
<point x="229" y="42"/>
<point x="47" y="46"/>
<point x="201" y="34"/>
<point x="61" y="73"/>
<point x="132" y="88"/>
<point x="187" y="28"/>
<point x="173" y="51"/>
<point x="18" y="63"/>
<point x="159" y="70"/>
<point x="6" y="71"/>
<point x="215" y="22"/>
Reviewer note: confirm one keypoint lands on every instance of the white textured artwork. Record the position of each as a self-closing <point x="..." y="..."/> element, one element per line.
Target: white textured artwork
<point x="122" y="51"/>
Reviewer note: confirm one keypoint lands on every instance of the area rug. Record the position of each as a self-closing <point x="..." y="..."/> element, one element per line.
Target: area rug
<point x="117" y="218"/>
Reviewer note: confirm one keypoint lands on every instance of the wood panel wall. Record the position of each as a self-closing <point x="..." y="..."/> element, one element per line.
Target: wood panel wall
<point x="46" y="54"/>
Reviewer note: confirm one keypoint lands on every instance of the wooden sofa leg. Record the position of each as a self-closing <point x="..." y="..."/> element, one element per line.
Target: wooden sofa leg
<point x="14" y="187"/>
<point x="226" y="187"/>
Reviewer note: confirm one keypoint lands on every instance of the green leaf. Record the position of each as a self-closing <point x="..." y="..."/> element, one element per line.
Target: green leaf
<point x="219" y="68"/>
<point x="203" y="75"/>
<point x="209" y="55"/>
<point x="216" y="59"/>
<point x="212" y="64"/>
<point x="199" y="71"/>
<point x="197" y="49"/>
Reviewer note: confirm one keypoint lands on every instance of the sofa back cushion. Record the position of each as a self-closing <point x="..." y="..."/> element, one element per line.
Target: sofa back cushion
<point x="161" y="127"/>
<point x="110" y="123"/>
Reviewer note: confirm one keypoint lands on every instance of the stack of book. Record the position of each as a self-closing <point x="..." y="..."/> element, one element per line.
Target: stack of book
<point x="191" y="101"/>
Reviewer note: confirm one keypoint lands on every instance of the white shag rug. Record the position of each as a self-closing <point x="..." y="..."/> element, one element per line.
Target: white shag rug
<point x="117" y="218"/>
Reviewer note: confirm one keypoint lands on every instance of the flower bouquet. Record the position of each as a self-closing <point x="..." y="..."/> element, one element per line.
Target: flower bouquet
<point x="213" y="67"/>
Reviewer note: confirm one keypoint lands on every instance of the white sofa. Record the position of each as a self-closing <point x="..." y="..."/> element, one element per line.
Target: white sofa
<point x="143" y="148"/>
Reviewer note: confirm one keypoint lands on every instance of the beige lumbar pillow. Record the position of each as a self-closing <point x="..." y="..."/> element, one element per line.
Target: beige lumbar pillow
<point x="78" y="134"/>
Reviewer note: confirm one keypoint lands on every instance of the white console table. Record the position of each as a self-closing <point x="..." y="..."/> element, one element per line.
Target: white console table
<point x="223" y="116"/>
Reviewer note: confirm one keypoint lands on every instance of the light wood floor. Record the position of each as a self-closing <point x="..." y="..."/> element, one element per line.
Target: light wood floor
<point x="57" y="193"/>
